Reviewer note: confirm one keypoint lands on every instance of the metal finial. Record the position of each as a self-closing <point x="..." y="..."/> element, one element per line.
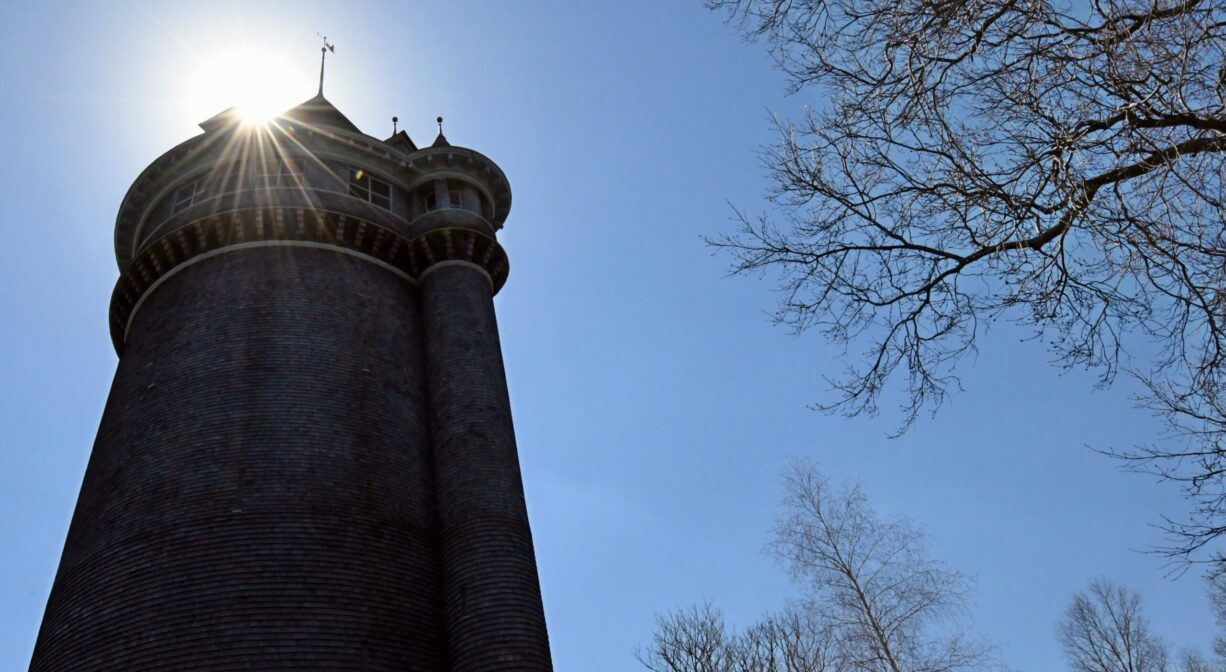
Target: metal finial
<point x="323" y="54"/>
<point x="394" y="120"/>
<point x="440" y="125"/>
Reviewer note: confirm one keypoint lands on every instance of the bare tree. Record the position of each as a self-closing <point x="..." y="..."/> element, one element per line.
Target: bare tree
<point x="792" y="641"/>
<point x="872" y="599"/>
<point x="1104" y="630"/>
<point x="691" y="640"/>
<point x="1217" y="601"/>
<point x="888" y="606"/>
<point x="1056" y="164"/>
<point x="696" y="640"/>
<point x="1191" y="660"/>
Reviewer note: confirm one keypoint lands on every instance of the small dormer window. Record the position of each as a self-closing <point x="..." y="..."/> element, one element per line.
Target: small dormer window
<point x="449" y="193"/>
<point x="368" y="188"/>
<point x="464" y="196"/>
<point x="185" y="196"/>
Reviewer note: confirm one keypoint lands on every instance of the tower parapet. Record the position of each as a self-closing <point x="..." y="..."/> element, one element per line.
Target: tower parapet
<point x="310" y="178"/>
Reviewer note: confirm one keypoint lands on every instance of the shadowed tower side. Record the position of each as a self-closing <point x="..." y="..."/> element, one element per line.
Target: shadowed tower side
<point x="306" y="460"/>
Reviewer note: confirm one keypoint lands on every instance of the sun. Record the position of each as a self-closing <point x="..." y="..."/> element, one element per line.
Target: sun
<point x="258" y="110"/>
<point x="258" y="83"/>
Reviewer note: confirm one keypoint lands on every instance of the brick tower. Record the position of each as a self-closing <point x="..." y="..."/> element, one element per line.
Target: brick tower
<point x="306" y="461"/>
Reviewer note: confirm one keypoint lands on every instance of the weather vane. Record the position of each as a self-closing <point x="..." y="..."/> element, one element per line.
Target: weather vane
<point x="323" y="54"/>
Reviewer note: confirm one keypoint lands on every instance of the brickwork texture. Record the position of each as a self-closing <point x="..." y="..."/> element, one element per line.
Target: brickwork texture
<point x="260" y="495"/>
<point x="307" y="459"/>
<point x="493" y="602"/>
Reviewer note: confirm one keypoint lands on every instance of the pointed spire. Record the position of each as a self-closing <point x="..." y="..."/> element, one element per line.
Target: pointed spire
<point x="399" y="139"/>
<point x="402" y="141"/>
<point x="319" y="112"/>
<point x="441" y="140"/>
<point x="323" y="54"/>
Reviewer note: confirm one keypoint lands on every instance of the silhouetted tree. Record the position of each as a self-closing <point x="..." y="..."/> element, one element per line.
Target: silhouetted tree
<point x="1192" y="660"/>
<point x="1057" y="165"/>
<point x="696" y="640"/>
<point x="872" y="599"/>
<point x="1104" y="630"/>
<point x="1217" y="600"/>
<point x="791" y="641"/>
<point x="692" y="640"/>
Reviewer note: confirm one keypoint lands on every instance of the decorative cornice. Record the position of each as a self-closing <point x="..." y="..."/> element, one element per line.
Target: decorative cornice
<point x="203" y="152"/>
<point x="299" y="227"/>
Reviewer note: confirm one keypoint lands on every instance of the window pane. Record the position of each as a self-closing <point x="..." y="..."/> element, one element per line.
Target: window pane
<point x="359" y="191"/>
<point x="183" y="197"/>
<point x="380" y="187"/>
<point x="431" y="201"/>
<point x="381" y="201"/>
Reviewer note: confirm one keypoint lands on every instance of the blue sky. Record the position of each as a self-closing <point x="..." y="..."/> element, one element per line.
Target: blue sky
<point x="655" y="404"/>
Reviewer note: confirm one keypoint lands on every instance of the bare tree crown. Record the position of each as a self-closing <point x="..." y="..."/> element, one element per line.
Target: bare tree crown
<point x="696" y="640"/>
<point x="890" y="607"/>
<point x="872" y="600"/>
<point x="1104" y="629"/>
<point x="1056" y="165"/>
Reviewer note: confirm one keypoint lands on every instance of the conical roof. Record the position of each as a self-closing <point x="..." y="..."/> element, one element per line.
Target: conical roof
<point x="226" y="118"/>
<point x="319" y="112"/>
<point x="402" y="141"/>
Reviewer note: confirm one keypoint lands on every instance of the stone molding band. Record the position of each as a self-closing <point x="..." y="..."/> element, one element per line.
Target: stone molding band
<point x="297" y="227"/>
<point x="456" y="262"/>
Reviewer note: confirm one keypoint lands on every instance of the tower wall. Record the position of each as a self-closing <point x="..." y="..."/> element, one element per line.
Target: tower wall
<point x="307" y="459"/>
<point x="495" y="620"/>
<point x="260" y="494"/>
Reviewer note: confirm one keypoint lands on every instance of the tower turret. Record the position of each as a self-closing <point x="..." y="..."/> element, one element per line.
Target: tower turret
<point x="306" y="459"/>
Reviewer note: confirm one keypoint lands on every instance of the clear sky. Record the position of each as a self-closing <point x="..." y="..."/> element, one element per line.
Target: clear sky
<point x="655" y="404"/>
